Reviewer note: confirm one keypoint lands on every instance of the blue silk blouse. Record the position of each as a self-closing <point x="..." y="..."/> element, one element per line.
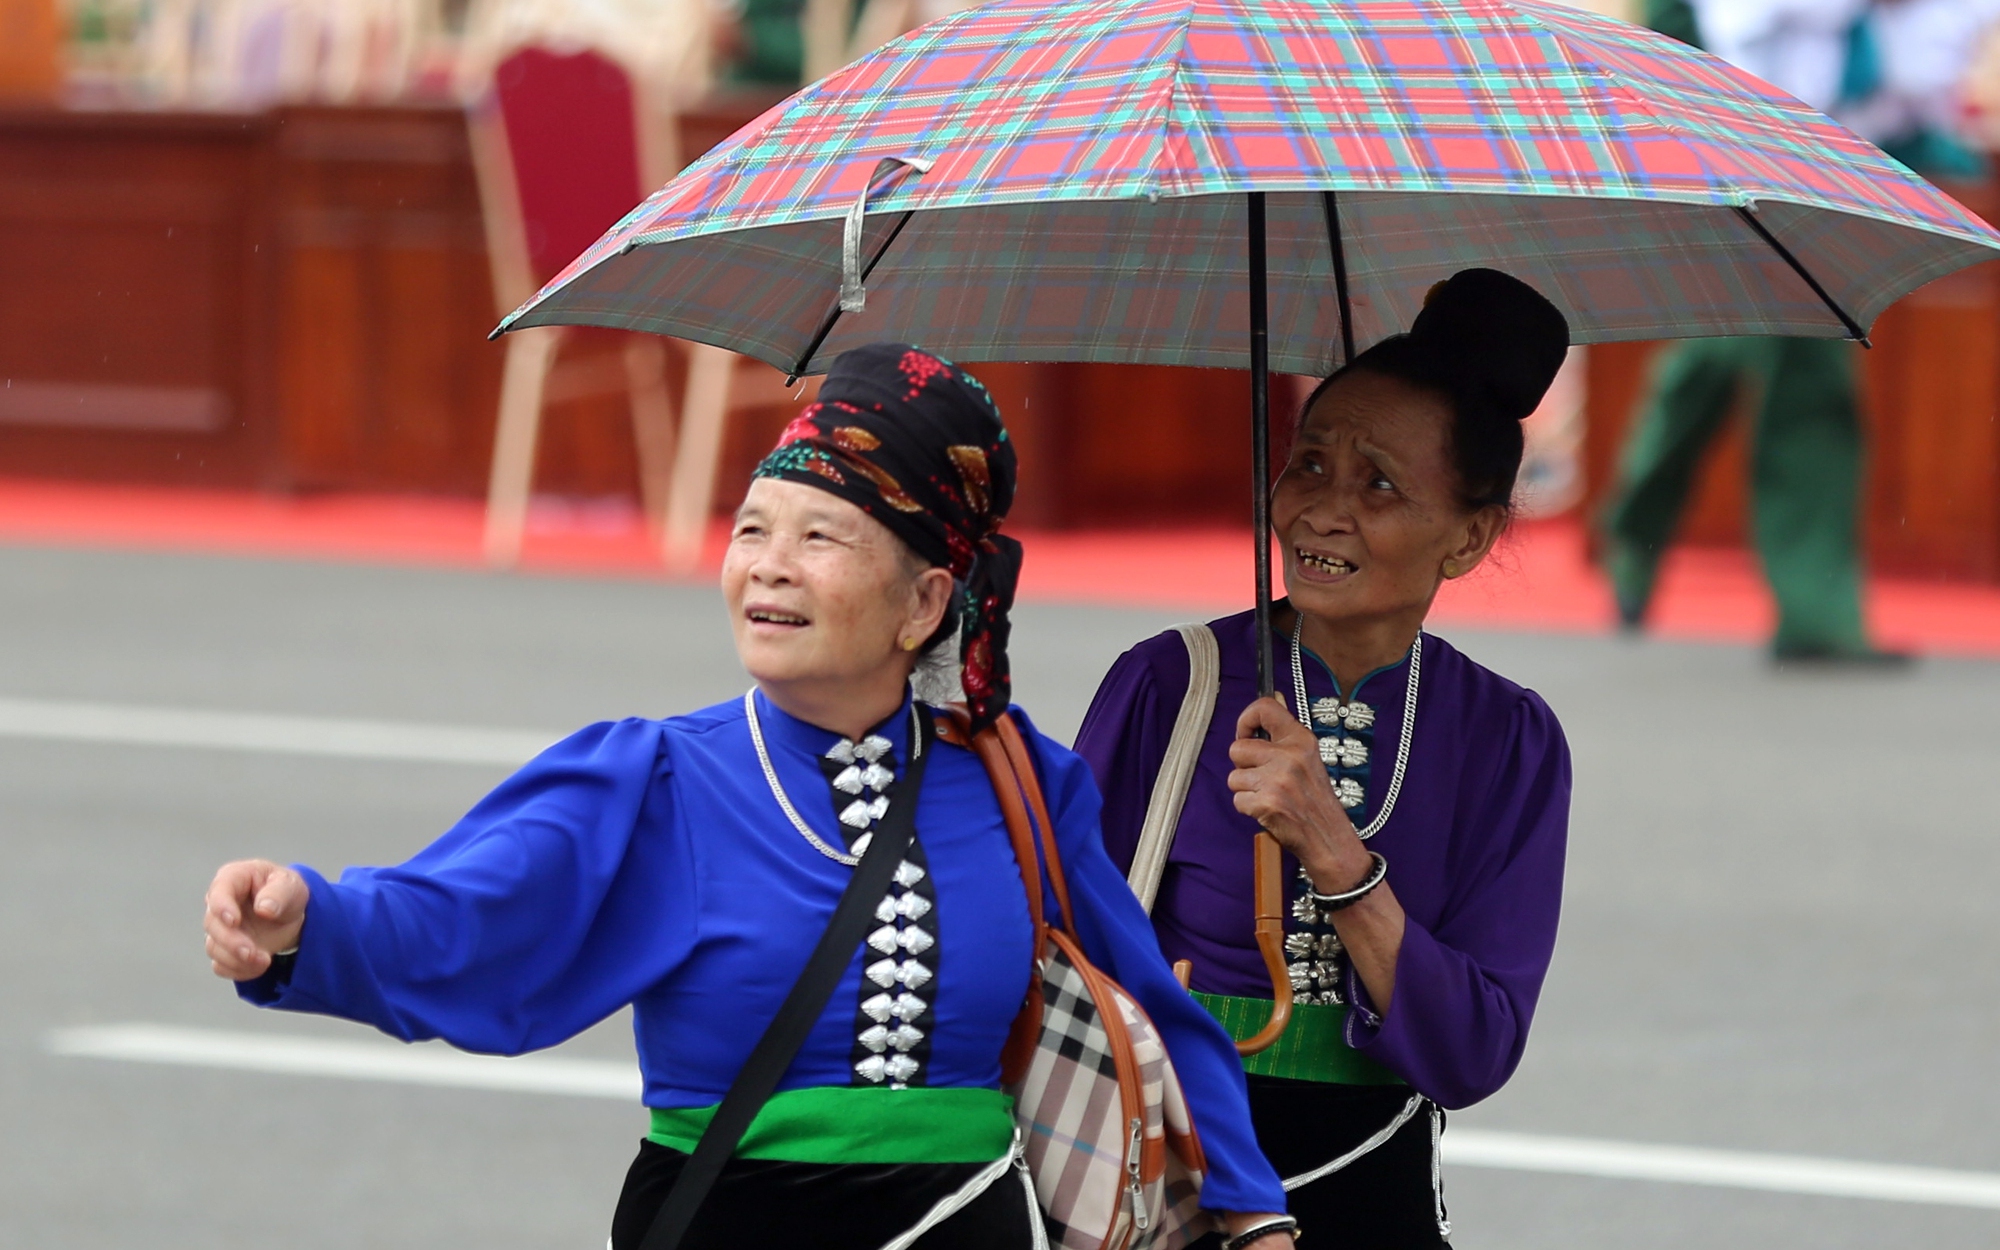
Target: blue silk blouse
<point x="647" y="862"/>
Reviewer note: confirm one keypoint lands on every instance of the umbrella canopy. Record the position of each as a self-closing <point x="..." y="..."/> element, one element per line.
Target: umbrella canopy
<point x="1066" y="181"/>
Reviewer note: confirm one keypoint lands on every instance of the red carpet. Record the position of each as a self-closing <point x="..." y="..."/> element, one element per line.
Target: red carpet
<point x="1539" y="580"/>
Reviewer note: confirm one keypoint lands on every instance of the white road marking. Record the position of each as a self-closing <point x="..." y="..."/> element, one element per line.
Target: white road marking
<point x="58" y="720"/>
<point x="1734" y="1169"/>
<point x="381" y="1060"/>
<point x="428" y="1064"/>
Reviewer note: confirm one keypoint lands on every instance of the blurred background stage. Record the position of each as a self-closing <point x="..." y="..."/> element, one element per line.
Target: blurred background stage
<point x="249" y="255"/>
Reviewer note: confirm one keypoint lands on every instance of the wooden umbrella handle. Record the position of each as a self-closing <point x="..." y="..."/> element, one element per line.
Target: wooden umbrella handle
<point x="1270" y="877"/>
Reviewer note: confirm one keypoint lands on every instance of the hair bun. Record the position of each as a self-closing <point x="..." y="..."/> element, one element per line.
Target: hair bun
<point x="1494" y="335"/>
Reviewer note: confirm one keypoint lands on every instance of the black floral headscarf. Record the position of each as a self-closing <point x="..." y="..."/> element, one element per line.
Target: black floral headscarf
<point x="917" y="443"/>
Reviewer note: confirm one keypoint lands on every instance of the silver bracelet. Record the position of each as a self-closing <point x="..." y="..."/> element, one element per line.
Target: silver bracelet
<point x="1283" y="1224"/>
<point x="1339" y="902"/>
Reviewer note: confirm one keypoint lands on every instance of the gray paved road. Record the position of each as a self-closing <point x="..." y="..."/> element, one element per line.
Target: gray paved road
<point x="1779" y="934"/>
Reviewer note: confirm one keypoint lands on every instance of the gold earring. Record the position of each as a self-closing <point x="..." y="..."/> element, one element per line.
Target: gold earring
<point x="909" y="644"/>
<point x="1451" y="568"/>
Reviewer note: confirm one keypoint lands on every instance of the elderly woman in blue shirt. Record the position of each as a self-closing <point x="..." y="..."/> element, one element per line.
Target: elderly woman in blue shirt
<point x="686" y="866"/>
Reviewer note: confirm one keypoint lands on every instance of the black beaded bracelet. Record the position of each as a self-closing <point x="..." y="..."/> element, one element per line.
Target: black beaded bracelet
<point x="1340" y="902"/>
<point x="1283" y="1224"/>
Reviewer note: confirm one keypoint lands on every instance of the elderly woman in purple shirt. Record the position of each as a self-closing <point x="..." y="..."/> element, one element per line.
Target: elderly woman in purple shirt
<point x="1422" y="800"/>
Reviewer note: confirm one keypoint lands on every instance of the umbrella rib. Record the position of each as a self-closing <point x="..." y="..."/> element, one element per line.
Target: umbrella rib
<point x="1854" y="330"/>
<point x="1331" y="204"/>
<point x="833" y="313"/>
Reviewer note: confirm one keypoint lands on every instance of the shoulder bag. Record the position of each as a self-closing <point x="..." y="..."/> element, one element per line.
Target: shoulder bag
<point x="1109" y="1143"/>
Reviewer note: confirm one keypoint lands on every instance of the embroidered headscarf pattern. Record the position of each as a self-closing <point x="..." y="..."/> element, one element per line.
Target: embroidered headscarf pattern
<point x="918" y="444"/>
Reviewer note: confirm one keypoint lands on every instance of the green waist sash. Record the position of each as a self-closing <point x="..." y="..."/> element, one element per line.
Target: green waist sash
<point x="1313" y="1048"/>
<point x="849" y="1124"/>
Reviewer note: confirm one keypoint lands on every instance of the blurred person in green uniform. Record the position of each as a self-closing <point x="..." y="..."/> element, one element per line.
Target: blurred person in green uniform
<point x="773" y="42"/>
<point x="1805" y="437"/>
<point x="764" y="42"/>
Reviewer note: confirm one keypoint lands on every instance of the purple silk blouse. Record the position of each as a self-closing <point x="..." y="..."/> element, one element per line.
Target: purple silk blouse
<point x="1475" y="845"/>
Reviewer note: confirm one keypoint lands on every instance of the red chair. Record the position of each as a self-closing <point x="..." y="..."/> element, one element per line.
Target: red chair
<point x="566" y="143"/>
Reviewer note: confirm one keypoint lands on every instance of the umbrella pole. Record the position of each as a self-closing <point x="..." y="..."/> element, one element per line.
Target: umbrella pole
<point x="1269" y="871"/>
<point x="1260" y="441"/>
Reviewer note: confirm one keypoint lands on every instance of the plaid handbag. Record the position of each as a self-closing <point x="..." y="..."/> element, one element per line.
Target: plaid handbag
<point x="1110" y="1146"/>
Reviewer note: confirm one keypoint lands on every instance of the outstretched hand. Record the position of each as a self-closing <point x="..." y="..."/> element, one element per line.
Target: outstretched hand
<point x="255" y="910"/>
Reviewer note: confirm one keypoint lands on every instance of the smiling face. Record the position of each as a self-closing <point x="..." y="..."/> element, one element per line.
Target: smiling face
<point x="1369" y="510"/>
<point x="822" y="598"/>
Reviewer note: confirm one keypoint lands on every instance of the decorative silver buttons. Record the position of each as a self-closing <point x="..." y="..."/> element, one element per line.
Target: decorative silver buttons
<point x="1342" y="752"/>
<point x="886" y="1026"/>
<point x="862" y="813"/>
<point x="909" y="974"/>
<point x="907" y="907"/>
<point x="1312" y="945"/>
<point x="896" y="1068"/>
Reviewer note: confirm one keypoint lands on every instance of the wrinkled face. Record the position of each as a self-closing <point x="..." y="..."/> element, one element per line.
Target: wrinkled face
<point x="818" y="590"/>
<point x="1368" y="511"/>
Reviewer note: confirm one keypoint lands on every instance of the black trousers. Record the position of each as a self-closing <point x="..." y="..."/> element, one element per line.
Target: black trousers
<point x="1381" y="1201"/>
<point x="823" y="1206"/>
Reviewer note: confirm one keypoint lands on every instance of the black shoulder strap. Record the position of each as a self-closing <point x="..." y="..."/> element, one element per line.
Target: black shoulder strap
<point x="802" y="1007"/>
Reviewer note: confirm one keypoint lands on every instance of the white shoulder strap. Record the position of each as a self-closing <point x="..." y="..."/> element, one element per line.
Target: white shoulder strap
<point x="1163" y="811"/>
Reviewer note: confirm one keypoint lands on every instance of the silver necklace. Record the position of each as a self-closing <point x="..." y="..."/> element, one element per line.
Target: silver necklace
<point x="1409" y="718"/>
<point x="778" y="787"/>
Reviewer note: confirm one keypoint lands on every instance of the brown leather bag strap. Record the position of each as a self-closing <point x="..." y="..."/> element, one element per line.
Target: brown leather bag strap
<point x="1013" y="809"/>
<point x="1022" y="765"/>
<point x="1024" y="1036"/>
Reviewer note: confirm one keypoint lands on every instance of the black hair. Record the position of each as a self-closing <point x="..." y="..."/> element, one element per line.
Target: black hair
<point x="1489" y="345"/>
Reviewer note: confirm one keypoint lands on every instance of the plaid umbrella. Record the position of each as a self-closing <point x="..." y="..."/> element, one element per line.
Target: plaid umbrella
<point x="1067" y="181"/>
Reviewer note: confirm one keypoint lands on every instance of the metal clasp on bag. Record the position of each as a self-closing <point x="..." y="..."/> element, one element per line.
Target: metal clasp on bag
<point x="1133" y="1186"/>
